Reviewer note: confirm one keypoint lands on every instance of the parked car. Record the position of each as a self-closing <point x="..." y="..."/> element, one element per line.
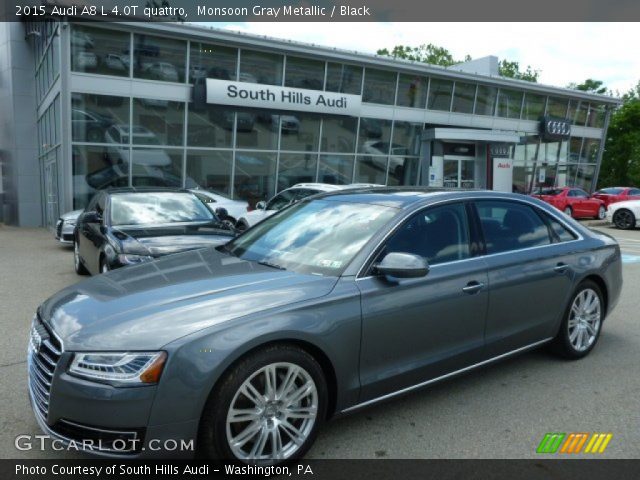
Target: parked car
<point x="284" y="198"/>
<point x="216" y="200"/>
<point x="128" y="226"/>
<point x="119" y="63"/>
<point x="88" y="125"/>
<point x="163" y="71"/>
<point x="118" y="136"/>
<point x="624" y="215"/>
<point x="617" y="194"/>
<point x="575" y="202"/>
<point x="65" y="226"/>
<point x="85" y="60"/>
<point x="336" y="303"/>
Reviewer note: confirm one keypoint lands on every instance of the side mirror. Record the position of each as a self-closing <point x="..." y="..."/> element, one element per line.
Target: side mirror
<point x="92" y="217"/>
<point x="261" y="205"/>
<point x="222" y="213"/>
<point x="403" y="265"/>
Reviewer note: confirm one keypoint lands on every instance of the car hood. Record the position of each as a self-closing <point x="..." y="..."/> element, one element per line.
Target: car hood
<point x="158" y="241"/>
<point x="73" y="215"/>
<point x="144" y="307"/>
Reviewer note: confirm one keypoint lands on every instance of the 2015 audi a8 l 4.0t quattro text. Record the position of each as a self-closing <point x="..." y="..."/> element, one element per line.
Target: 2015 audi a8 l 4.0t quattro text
<point x="331" y="304"/>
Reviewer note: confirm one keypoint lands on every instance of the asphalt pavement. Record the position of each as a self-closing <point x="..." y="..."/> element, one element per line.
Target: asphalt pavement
<point x="500" y="411"/>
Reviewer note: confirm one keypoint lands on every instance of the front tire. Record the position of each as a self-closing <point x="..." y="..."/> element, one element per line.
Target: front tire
<point x="77" y="260"/>
<point x="602" y="212"/>
<point x="267" y="409"/>
<point x="568" y="211"/>
<point x="582" y="322"/>
<point x="624" y="219"/>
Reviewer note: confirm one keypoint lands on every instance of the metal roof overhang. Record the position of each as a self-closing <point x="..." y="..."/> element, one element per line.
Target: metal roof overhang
<point x="469" y="134"/>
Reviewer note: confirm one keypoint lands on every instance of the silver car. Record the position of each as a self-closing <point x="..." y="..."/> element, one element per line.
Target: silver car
<point x="331" y="304"/>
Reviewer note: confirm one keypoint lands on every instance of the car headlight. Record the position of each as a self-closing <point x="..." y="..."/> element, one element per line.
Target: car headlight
<point x="130" y="259"/>
<point x="124" y="367"/>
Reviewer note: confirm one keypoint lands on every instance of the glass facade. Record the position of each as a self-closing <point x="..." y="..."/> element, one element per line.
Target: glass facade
<point x="253" y="153"/>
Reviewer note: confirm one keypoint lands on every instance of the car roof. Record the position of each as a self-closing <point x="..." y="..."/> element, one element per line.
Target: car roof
<point x="116" y="190"/>
<point x="325" y="187"/>
<point x="406" y="197"/>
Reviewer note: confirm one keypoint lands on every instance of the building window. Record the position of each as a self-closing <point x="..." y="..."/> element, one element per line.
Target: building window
<point x="260" y="67"/>
<point x="343" y="78"/>
<point x="157" y="167"/>
<point x="255" y="176"/>
<point x="299" y="132"/>
<point x="296" y="168"/>
<point x="210" y="170"/>
<point x="533" y="106"/>
<point x="590" y="150"/>
<point x="98" y="167"/>
<point x="338" y="134"/>
<point x="577" y="113"/>
<point x="575" y="148"/>
<point x="210" y="127"/>
<point x="156" y="122"/>
<point x="440" y="92"/>
<point x="596" y="116"/>
<point x="371" y="169"/>
<point x="412" y="91"/>
<point x="97" y="50"/>
<point x="336" y="169"/>
<point x="509" y="103"/>
<point x="92" y="116"/>
<point x="157" y="58"/>
<point x="486" y="100"/>
<point x="403" y="170"/>
<point x="304" y="73"/>
<point x="557" y="107"/>
<point x="463" y="97"/>
<point x="407" y="138"/>
<point x="379" y="86"/>
<point x="257" y="129"/>
<point x="374" y="136"/>
<point x="212" y="61"/>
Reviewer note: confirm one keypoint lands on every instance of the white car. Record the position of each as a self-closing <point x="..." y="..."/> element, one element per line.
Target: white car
<point x="235" y="208"/>
<point x="116" y="62"/>
<point x="287" y="197"/>
<point x="624" y="215"/>
<point x="86" y="60"/>
<point x="163" y="71"/>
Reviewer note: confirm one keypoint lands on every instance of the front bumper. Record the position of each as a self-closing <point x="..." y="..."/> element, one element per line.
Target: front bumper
<point x="64" y="231"/>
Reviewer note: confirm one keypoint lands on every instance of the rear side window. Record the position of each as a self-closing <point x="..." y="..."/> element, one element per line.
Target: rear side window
<point x="611" y="191"/>
<point x="511" y="226"/>
<point x="561" y="232"/>
<point x="634" y="191"/>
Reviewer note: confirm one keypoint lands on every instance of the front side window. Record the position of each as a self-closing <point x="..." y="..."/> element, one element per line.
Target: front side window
<point x="510" y="226"/>
<point x="316" y="237"/>
<point x="438" y="234"/>
<point x="152" y="208"/>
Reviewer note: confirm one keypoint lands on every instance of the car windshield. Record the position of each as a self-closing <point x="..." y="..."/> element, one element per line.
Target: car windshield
<point x="318" y="237"/>
<point x="148" y="208"/>
<point x="551" y="191"/>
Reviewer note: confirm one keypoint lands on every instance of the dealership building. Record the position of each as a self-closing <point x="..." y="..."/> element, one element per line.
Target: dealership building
<point x="85" y="106"/>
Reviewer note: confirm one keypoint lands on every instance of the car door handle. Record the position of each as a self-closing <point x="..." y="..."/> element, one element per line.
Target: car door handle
<point x="473" y="287"/>
<point x="561" y="267"/>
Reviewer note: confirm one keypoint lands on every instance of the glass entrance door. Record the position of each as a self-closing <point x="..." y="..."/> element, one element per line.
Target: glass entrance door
<point x="458" y="172"/>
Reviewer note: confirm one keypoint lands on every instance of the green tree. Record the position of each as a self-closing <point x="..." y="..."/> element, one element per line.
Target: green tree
<point x="590" y="85"/>
<point x="621" y="157"/>
<point x="434" y="55"/>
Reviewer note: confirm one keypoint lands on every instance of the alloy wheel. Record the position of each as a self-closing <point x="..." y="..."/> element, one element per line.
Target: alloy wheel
<point x="76" y="255"/>
<point x="584" y="320"/>
<point x="602" y="212"/>
<point x="623" y="219"/>
<point x="567" y="211"/>
<point x="272" y="413"/>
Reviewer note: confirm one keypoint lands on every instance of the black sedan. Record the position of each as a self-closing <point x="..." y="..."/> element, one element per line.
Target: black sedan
<point x="128" y="226"/>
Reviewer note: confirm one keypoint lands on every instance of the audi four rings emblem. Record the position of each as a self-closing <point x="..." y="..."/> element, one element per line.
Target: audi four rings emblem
<point x="558" y="127"/>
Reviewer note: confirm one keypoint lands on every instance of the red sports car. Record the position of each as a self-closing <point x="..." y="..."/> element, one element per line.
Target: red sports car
<point x="617" y="194"/>
<point x="575" y="202"/>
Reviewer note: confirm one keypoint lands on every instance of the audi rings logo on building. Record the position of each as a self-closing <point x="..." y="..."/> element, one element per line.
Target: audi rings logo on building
<point x="555" y="128"/>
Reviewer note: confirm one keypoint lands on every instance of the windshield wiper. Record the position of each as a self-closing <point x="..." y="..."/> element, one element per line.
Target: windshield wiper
<point x="272" y="265"/>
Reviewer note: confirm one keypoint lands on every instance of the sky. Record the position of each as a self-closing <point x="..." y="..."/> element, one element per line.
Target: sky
<point x="563" y="52"/>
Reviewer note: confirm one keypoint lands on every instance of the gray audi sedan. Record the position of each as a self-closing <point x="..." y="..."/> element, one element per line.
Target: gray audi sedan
<point x="332" y="304"/>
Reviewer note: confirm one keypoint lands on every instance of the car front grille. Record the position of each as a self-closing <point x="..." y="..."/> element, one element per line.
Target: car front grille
<point x="59" y="228"/>
<point x="44" y="352"/>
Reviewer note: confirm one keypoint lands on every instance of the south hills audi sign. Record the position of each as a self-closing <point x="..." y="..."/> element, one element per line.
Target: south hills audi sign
<point x="554" y="128"/>
<point x="255" y="95"/>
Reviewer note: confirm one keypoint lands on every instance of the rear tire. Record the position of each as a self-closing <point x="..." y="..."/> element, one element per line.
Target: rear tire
<point x="582" y="322"/>
<point x="77" y="260"/>
<point x="266" y="409"/>
<point x="602" y="212"/>
<point x="624" y="219"/>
